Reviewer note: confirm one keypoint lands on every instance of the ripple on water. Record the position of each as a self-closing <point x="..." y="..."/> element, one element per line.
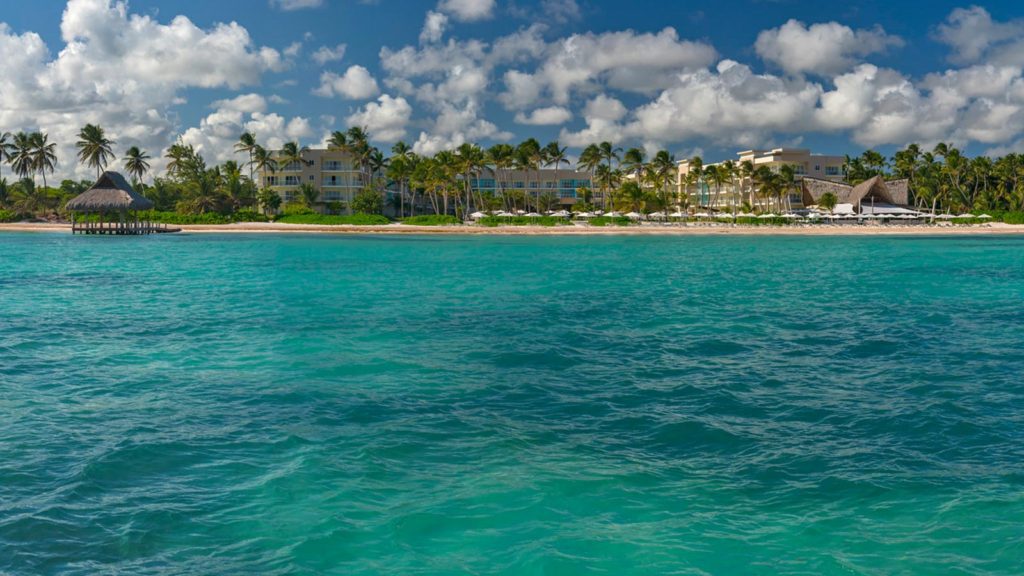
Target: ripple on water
<point x="288" y="405"/>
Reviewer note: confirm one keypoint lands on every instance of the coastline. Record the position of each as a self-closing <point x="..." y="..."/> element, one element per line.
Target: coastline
<point x="996" y="228"/>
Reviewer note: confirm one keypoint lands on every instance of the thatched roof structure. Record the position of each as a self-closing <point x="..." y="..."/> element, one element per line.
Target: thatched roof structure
<point x="111" y="193"/>
<point x="895" y="192"/>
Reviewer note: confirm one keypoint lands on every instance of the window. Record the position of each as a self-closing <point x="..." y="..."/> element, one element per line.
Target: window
<point x="291" y="180"/>
<point x="817" y="167"/>
<point x="271" y="180"/>
<point x="310" y="177"/>
<point x="292" y="167"/>
<point x="832" y="171"/>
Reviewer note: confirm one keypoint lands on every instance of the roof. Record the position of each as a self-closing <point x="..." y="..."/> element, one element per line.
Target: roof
<point x="110" y="193"/>
<point x="894" y="192"/>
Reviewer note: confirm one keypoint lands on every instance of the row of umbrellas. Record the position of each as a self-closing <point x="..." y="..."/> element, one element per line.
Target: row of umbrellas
<point x="724" y="216"/>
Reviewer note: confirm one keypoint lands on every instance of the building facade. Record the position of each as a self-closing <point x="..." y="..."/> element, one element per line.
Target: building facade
<point x="564" y="184"/>
<point x="333" y="172"/>
<point x="805" y="165"/>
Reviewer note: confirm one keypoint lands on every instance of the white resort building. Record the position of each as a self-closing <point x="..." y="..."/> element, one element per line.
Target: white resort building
<point x="333" y="172"/>
<point x="733" y="193"/>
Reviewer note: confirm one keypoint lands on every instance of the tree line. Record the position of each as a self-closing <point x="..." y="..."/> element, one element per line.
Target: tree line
<point x="443" y="183"/>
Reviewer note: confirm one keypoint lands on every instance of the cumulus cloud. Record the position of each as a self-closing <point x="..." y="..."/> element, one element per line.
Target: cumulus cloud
<point x="385" y="120"/>
<point x="433" y="27"/>
<point x="123" y="71"/>
<point x="467" y="10"/>
<point x="550" y="116"/>
<point x="355" y="84"/>
<point x="824" y="49"/>
<point x="289" y="5"/>
<point x="972" y="34"/>
<point x="326" y="54"/>
<point x="216" y="134"/>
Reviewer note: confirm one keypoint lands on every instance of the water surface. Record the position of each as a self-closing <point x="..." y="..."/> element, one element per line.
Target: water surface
<point x="551" y="405"/>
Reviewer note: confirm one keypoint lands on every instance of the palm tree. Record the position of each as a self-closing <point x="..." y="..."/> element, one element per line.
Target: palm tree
<point x="44" y="155"/>
<point x="400" y="171"/>
<point x="22" y="161"/>
<point x="309" y="194"/>
<point x="136" y="163"/>
<point x="608" y="153"/>
<point x="263" y="161"/>
<point x="290" y="154"/>
<point x="7" y="149"/>
<point x="247" y="145"/>
<point x="501" y="158"/>
<point x="663" y="169"/>
<point x="94" y="148"/>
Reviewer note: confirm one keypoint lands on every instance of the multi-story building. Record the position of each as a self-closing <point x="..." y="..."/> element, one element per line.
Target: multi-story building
<point x="804" y="163"/>
<point x="563" y="183"/>
<point x="333" y="172"/>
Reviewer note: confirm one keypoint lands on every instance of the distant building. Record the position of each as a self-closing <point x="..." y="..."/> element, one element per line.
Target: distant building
<point x="333" y="172"/>
<point x="563" y="183"/>
<point x="804" y="163"/>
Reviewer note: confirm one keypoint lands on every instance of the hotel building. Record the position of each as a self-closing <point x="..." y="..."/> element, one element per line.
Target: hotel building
<point x="561" y="183"/>
<point x="333" y="172"/>
<point x="804" y="163"/>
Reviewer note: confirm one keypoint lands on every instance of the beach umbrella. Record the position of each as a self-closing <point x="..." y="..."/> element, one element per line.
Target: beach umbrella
<point x="724" y="216"/>
<point x="585" y="215"/>
<point x="702" y="215"/>
<point x="984" y="217"/>
<point x="789" y="215"/>
<point x="561" y="214"/>
<point x="767" y="216"/>
<point x="477" y="215"/>
<point x="964" y="216"/>
<point x="678" y="215"/>
<point x="614" y="214"/>
<point x="945" y="217"/>
<point x="504" y="214"/>
<point x="634" y="215"/>
<point x="532" y="215"/>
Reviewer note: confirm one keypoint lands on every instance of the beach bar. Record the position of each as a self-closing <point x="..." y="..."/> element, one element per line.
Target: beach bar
<point x="116" y="206"/>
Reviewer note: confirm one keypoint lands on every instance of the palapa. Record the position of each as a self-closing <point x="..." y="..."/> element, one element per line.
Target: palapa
<point x="111" y="193"/>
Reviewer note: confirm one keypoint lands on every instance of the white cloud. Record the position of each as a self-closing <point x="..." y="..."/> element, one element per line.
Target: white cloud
<point x="356" y="84"/>
<point x="824" y="49"/>
<point x="433" y="27"/>
<point x="326" y="54"/>
<point x="561" y="11"/>
<point x="550" y="116"/>
<point x="972" y="33"/>
<point x="467" y="10"/>
<point x="217" y="133"/>
<point x="385" y="119"/>
<point x="289" y="5"/>
<point x="125" y="72"/>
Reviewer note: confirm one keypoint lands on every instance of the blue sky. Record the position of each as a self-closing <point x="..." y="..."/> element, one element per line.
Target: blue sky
<point x="691" y="77"/>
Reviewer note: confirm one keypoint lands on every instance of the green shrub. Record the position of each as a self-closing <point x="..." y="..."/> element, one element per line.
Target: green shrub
<point x="494" y="221"/>
<point x="608" y="221"/>
<point x="297" y="209"/>
<point x="8" y="216"/>
<point x="248" y="216"/>
<point x="432" y="220"/>
<point x="1011" y="217"/>
<point x="328" y="220"/>
<point x="179" y="218"/>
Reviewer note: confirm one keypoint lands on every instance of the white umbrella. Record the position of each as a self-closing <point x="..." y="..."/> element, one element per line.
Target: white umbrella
<point x="984" y="217"/>
<point x="678" y="215"/>
<point x="724" y="216"/>
<point x="477" y="215"/>
<point x="585" y="215"/>
<point x="964" y="216"/>
<point x="504" y="214"/>
<point x="813" y="216"/>
<point x="744" y="215"/>
<point x="702" y="215"/>
<point x="520" y="212"/>
<point x="614" y="214"/>
<point x="790" y="215"/>
<point x="767" y="216"/>
<point x="634" y="216"/>
<point x="945" y="217"/>
<point x="533" y="215"/>
<point x="561" y="214"/>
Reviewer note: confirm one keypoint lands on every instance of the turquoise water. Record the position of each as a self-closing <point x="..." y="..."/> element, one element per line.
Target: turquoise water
<point x="395" y="405"/>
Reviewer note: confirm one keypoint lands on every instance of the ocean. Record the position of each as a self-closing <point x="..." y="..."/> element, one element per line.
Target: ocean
<point x="289" y="404"/>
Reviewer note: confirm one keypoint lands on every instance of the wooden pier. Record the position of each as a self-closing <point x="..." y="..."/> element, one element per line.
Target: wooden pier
<point x="130" y="228"/>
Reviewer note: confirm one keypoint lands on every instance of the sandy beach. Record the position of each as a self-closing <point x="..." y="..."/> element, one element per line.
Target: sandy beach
<point x="996" y="228"/>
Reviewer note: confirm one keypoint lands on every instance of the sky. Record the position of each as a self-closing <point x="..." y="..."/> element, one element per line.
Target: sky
<point x="707" y="78"/>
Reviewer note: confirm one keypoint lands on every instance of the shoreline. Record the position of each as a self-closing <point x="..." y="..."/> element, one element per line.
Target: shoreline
<point x="996" y="228"/>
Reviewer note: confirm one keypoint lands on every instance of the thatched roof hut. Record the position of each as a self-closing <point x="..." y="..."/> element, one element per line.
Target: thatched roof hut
<point x="111" y="193"/>
<point x="894" y="192"/>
